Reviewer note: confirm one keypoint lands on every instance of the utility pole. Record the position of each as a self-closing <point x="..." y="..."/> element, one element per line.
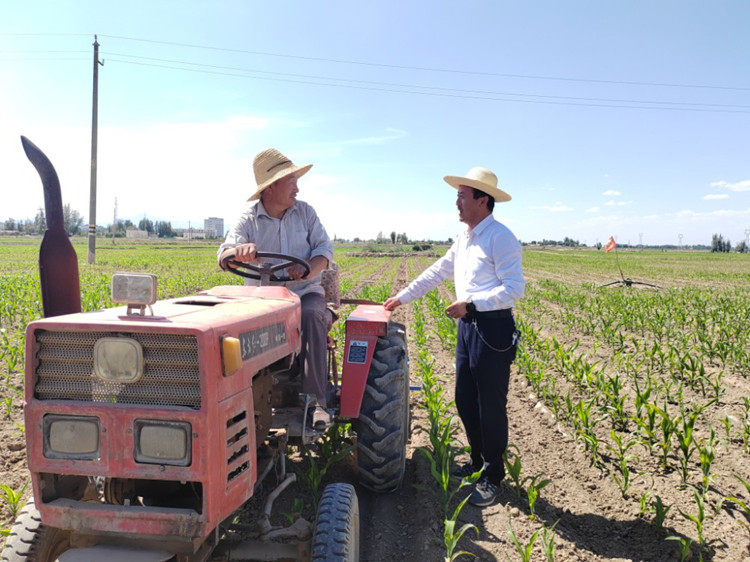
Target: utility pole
<point x="94" y="127"/>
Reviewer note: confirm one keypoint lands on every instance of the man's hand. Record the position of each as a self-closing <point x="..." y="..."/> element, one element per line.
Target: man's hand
<point x="295" y="271"/>
<point x="456" y="309"/>
<point x="244" y="253"/>
<point x="391" y="303"/>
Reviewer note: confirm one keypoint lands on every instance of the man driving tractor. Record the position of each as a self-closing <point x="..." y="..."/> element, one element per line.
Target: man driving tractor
<point x="279" y="223"/>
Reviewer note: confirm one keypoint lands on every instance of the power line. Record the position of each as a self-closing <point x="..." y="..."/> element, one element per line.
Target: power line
<point x="445" y="91"/>
<point x="387" y="65"/>
<point x="459" y="90"/>
<point x="429" y="69"/>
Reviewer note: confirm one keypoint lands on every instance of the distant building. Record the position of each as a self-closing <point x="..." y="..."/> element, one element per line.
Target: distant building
<point x="136" y="233"/>
<point x="190" y="233"/>
<point x="213" y="227"/>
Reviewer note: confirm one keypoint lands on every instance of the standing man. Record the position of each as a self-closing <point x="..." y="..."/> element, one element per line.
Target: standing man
<point x="281" y="224"/>
<point x="485" y="262"/>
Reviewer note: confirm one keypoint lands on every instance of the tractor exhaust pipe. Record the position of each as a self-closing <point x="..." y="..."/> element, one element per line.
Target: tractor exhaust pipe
<point x="58" y="262"/>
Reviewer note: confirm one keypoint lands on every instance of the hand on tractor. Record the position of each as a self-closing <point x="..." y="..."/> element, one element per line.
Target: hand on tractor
<point x="391" y="303"/>
<point x="244" y="253"/>
<point x="296" y="272"/>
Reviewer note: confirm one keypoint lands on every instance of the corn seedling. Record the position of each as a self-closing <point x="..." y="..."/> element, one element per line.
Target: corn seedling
<point x="685" y="441"/>
<point x="686" y="551"/>
<point x="532" y="491"/>
<point x="727" y="423"/>
<point x="660" y="512"/>
<point x="12" y="498"/>
<point x="295" y="512"/>
<point x="312" y="478"/>
<point x="513" y="469"/>
<point x="524" y="550"/>
<point x="743" y="505"/>
<point x="451" y="536"/>
<point x="668" y="427"/>
<point x="643" y="503"/>
<point x="707" y="454"/>
<point x="624" y="478"/>
<point x="698" y="519"/>
<point x="548" y="542"/>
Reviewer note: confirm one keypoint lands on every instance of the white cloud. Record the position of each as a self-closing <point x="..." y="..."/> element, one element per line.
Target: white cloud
<point x="736" y="186"/>
<point x="611" y="193"/>
<point x="712" y="196"/>
<point x="558" y="207"/>
<point x="618" y="203"/>
<point x="392" y="134"/>
<point x="593" y="210"/>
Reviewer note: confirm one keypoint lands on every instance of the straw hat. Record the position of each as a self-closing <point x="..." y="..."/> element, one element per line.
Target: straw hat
<point x="271" y="165"/>
<point x="483" y="180"/>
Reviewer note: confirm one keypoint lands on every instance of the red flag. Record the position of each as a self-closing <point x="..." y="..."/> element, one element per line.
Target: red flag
<point x="610" y="245"/>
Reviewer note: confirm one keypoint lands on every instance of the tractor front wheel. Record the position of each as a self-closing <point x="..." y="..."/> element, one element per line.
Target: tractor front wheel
<point x="336" y="535"/>
<point x="383" y="423"/>
<point x="32" y="541"/>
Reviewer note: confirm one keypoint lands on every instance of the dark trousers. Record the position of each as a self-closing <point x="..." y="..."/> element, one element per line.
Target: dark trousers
<point x="482" y="377"/>
<point x="313" y="355"/>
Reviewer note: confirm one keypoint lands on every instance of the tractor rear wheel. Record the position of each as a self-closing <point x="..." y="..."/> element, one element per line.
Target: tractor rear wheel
<point x="336" y="534"/>
<point x="383" y="424"/>
<point x="32" y="541"/>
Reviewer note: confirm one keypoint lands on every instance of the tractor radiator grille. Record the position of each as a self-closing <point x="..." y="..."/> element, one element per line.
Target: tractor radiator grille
<point x="65" y="370"/>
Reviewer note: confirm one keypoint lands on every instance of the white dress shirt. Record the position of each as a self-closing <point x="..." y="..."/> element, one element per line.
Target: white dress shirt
<point x="298" y="233"/>
<point x="486" y="265"/>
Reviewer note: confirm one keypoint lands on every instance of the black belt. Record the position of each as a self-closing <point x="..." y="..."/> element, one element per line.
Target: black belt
<point x="491" y="314"/>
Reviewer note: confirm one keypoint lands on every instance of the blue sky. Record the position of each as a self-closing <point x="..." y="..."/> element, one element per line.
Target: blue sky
<point x="629" y="119"/>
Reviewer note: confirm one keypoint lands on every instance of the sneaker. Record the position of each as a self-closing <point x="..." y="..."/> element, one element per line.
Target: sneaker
<point x="321" y="419"/>
<point x="465" y="470"/>
<point x="485" y="493"/>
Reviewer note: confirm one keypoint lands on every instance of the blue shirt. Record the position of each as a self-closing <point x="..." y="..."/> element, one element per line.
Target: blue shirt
<point x="485" y="263"/>
<point x="298" y="233"/>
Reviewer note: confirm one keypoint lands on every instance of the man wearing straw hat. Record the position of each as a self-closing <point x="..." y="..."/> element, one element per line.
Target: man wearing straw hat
<point x="279" y="223"/>
<point x="485" y="263"/>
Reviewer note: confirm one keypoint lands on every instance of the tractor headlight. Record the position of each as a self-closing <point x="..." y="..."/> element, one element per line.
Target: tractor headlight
<point x="163" y="442"/>
<point x="118" y="360"/>
<point x="71" y="437"/>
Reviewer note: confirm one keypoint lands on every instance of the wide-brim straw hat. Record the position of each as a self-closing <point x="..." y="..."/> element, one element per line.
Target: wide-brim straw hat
<point x="270" y="166"/>
<point x="482" y="179"/>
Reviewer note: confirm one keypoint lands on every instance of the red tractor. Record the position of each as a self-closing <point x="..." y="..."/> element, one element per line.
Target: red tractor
<point x="149" y="425"/>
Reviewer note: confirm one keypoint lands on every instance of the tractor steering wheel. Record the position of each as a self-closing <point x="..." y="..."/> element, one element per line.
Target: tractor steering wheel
<point x="264" y="271"/>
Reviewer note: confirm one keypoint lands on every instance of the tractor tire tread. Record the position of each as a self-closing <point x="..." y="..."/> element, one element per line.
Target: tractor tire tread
<point x="383" y="424"/>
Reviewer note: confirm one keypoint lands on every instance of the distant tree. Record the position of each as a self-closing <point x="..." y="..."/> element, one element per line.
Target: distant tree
<point x="146" y="224"/>
<point x="72" y="220"/>
<point x="380" y="239"/>
<point x="117" y="229"/>
<point x="741" y="247"/>
<point x="718" y="244"/>
<point x="40" y="222"/>
<point x="164" y="229"/>
<point x="9" y="224"/>
<point x="393" y="237"/>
